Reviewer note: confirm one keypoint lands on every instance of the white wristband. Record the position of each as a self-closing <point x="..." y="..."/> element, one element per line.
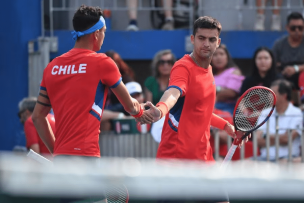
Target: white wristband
<point x="296" y="67"/>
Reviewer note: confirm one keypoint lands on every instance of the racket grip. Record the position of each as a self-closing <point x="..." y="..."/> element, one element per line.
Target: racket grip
<point x="228" y="157"/>
<point x="238" y="141"/>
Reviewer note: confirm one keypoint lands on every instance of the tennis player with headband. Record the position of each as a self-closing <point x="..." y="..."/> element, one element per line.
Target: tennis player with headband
<point x="189" y="101"/>
<point x="75" y="85"/>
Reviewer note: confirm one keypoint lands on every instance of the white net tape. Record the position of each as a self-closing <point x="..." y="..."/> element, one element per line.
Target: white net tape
<point x="254" y="104"/>
<point x="150" y="179"/>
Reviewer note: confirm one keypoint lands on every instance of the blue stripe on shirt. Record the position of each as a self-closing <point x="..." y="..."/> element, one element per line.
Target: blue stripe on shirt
<point x="117" y="83"/>
<point x="42" y="88"/>
<point x="95" y="115"/>
<point x="173" y="86"/>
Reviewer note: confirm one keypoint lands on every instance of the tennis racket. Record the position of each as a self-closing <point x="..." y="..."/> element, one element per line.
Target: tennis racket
<point x="116" y="193"/>
<point x="251" y="111"/>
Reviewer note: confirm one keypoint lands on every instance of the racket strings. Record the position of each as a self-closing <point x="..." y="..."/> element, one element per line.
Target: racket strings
<point x="117" y="194"/>
<point x="254" y="104"/>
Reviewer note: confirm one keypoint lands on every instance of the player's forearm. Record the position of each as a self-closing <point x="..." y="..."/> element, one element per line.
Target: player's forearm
<point x="170" y="97"/>
<point x="130" y="104"/>
<point x="45" y="132"/>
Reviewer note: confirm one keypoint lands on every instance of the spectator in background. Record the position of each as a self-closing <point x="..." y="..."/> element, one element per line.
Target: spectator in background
<point x="135" y="90"/>
<point x="228" y="79"/>
<point x="289" y="50"/>
<point x="169" y="20"/>
<point x="260" y="18"/>
<point x="290" y="117"/>
<point x="126" y="72"/>
<point x="127" y="75"/>
<point x="264" y="70"/>
<point x="161" y="66"/>
<point x="33" y="141"/>
<point x="301" y="85"/>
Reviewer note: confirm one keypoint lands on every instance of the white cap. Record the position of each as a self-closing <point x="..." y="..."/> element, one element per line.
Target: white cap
<point x="133" y="87"/>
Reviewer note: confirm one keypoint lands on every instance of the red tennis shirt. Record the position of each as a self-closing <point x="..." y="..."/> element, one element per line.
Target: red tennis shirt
<point x="77" y="83"/>
<point x="32" y="136"/>
<point x="186" y="130"/>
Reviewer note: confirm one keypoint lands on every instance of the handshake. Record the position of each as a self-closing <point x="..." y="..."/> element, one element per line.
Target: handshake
<point x="151" y="115"/>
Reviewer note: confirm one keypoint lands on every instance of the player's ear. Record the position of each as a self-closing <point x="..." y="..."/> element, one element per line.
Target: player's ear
<point x="192" y="39"/>
<point x="218" y="42"/>
<point x="96" y="33"/>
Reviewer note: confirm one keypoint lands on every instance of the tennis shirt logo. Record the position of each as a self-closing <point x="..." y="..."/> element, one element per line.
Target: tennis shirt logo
<point x="69" y="69"/>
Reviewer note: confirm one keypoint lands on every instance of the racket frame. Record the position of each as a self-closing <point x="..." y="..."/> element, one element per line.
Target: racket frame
<point x="237" y="141"/>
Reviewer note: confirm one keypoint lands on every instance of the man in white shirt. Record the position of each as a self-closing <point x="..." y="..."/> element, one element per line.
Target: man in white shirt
<point x="289" y="117"/>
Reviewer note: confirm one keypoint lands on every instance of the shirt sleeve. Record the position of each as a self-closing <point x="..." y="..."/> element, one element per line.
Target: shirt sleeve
<point x="42" y="84"/>
<point x="218" y="122"/>
<point x="179" y="79"/>
<point x="30" y="133"/>
<point x="110" y="74"/>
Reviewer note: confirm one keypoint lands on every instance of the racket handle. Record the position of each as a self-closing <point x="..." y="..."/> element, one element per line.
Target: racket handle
<point x="228" y="157"/>
<point x="238" y="141"/>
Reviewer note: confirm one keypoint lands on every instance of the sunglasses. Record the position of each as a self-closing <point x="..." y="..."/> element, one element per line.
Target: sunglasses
<point x="21" y="112"/>
<point x="162" y="62"/>
<point x="294" y="27"/>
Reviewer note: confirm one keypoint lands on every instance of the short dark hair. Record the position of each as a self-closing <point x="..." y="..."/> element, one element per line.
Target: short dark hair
<point x="85" y="17"/>
<point x="207" y="22"/>
<point x="294" y="16"/>
<point x="284" y="87"/>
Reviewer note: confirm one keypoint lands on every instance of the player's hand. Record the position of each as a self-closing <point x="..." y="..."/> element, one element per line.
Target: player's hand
<point x="145" y="118"/>
<point x="239" y="135"/>
<point x="230" y="130"/>
<point x="288" y="71"/>
<point x="153" y="111"/>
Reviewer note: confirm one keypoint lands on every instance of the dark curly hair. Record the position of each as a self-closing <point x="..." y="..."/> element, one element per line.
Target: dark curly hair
<point x="85" y="17"/>
<point x="207" y="22"/>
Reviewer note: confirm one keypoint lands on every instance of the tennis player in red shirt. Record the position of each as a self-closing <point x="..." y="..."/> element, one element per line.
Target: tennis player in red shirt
<point x="33" y="141"/>
<point x="189" y="100"/>
<point x="75" y="85"/>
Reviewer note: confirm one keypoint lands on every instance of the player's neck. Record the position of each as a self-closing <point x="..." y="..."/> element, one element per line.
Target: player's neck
<point x="201" y="62"/>
<point x="82" y="44"/>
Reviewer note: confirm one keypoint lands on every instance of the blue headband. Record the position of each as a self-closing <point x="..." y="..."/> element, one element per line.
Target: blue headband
<point x="92" y="29"/>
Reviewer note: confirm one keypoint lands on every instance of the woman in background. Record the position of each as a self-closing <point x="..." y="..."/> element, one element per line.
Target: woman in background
<point x="157" y="84"/>
<point x="228" y="79"/>
<point x="127" y="75"/>
<point x="264" y="70"/>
